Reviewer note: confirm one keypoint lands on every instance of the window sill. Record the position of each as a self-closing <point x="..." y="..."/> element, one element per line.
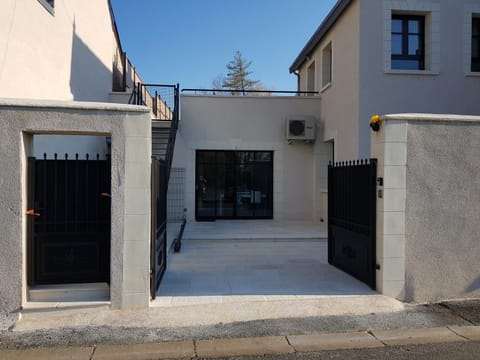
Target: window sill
<point x="47" y="6"/>
<point x="326" y="87"/>
<point x="412" y="72"/>
<point x="472" y="74"/>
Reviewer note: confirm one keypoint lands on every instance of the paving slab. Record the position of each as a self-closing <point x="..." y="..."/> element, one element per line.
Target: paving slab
<point x="335" y="341"/>
<point x="243" y="346"/>
<point x="469" y="332"/>
<point x="417" y="336"/>
<point x="170" y="350"/>
<point x="70" y="353"/>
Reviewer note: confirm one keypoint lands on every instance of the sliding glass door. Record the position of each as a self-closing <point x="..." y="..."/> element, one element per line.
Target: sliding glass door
<point x="234" y="185"/>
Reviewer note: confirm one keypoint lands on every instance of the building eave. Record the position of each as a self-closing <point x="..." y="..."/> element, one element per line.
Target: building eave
<point x="320" y="33"/>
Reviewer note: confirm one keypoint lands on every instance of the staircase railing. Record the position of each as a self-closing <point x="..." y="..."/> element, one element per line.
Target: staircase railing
<point x="164" y="101"/>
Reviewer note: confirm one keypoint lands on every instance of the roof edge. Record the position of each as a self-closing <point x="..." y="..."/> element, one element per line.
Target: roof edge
<point x="321" y="31"/>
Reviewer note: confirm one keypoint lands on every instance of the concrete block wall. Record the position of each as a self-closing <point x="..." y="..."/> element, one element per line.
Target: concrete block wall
<point x="390" y="148"/>
<point x="427" y="216"/>
<point x="129" y="128"/>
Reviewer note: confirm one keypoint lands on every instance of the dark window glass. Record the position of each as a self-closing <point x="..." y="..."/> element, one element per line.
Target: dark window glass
<point x="475" y="44"/>
<point x="408" y="42"/>
<point x="234" y="184"/>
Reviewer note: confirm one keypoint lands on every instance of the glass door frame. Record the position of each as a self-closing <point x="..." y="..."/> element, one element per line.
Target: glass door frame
<point x="236" y="163"/>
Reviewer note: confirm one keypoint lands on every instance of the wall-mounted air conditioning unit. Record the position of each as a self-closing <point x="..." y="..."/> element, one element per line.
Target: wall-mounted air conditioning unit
<point x="301" y="128"/>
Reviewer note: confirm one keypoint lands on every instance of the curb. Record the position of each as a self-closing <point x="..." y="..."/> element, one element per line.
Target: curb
<point x="254" y="346"/>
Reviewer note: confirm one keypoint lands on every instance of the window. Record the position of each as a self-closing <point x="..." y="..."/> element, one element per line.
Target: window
<point x="327" y="65"/>
<point x="311" y="77"/>
<point x="475" y="65"/>
<point x="408" y="42"/>
<point x="48" y="4"/>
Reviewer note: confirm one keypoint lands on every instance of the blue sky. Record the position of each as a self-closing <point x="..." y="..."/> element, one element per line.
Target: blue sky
<point x="191" y="41"/>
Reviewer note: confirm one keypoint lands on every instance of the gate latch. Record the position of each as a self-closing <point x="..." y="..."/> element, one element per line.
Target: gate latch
<point x="32" y="212"/>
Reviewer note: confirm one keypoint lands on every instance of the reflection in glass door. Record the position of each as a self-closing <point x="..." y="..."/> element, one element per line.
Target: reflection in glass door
<point x="234" y="185"/>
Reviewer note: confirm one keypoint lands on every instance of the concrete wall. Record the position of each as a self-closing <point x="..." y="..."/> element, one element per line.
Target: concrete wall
<point x="253" y="123"/>
<point x="340" y="107"/>
<point x="427" y="219"/>
<point x="445" y="87"/>
<point x="129" y="127"/>
<point x="67" y="55"/>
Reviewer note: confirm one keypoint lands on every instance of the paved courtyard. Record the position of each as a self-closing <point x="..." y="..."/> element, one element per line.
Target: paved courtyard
<point x="257" y="261"/>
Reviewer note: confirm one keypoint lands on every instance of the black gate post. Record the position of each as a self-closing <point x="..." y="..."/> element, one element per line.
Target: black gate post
<point x="158" y="244"/>
<point x="30" y="219"/>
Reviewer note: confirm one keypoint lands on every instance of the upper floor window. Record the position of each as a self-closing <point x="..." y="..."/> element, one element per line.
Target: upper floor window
<point x="408" y="42"/>
<point x="311" y="77"/>
<point x="327" y="65"/>
<point x="475" y="67"/>
<point x="48" y="4"/>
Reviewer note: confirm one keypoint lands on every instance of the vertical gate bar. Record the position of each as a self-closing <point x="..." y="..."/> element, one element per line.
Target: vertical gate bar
<point x="87" y="164"/>
<point x="30" y="220"/>
<point x="373" y="218"/>
<point x="330" y="211"/>
<point x="76" y="192"/>
<point x="97" y="194"/>
<point x="45" y="203"/>
<point x="55" y="194"/>
<point x="66" y="195"/>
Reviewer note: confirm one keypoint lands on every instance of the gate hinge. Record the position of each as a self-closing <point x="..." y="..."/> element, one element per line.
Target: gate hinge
<point x="377" y="266"/>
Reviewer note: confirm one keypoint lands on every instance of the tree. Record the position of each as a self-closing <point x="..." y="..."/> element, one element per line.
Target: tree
<point x="237" y="76"/>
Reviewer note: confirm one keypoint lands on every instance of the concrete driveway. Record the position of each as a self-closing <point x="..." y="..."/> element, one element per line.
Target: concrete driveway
<point x="261" y="261"/>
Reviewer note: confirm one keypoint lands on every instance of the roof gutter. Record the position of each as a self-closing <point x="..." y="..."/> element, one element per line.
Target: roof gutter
<point x="321" y="31"/>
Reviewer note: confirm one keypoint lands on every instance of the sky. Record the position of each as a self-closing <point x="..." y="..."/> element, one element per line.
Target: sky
<point x="191" y="41"/>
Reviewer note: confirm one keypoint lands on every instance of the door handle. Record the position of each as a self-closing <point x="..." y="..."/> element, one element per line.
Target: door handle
<point x="32" y="212"/>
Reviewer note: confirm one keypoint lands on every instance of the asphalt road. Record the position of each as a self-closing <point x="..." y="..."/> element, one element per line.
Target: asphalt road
<point x="450" y="351"/>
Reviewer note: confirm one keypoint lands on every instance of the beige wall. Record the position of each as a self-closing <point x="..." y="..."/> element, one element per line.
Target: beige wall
<point x="64" y="56"/>
<point x="252" y="123"/>
<point x="339" y="110"/>
<point x="130" y="129"/>
<point x="427" y="217"/>
<point x="363" y="83"/>
<point x="445" y="87"/>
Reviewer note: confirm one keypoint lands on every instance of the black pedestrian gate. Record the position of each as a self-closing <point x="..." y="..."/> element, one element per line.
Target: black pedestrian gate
<point x="158" y="251"/>
<point x="352" y="218"/>
<point x="68" y="220"/>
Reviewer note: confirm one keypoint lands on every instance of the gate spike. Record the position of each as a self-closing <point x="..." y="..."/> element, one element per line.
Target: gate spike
<point x="44" y="156"/>
<point x="76" y="156"/>
<point x="55" y="156"/>
<point x="66" y="156"/>
<point x="98" y="156"/>
<point x="86" y="156"/>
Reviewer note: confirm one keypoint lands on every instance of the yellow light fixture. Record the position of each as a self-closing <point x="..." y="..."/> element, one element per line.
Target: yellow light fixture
<point x="375" y="122"/>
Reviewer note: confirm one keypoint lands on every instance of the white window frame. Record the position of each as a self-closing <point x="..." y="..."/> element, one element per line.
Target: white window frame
<point x="326" y="83"/>
<point x="48" y="6"/>
<point x="471" y="11"/>
<point x="431" y="12"/>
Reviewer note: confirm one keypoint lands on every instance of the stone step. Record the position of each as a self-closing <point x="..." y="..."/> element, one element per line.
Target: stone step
<point x="69" y="292"/>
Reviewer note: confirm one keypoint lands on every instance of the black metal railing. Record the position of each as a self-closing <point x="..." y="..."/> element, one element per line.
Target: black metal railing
<point x="253" y="92"/>
<point x="69" y="220"/>
<point x="352" y="218"/>
<point x="158" y="243"/>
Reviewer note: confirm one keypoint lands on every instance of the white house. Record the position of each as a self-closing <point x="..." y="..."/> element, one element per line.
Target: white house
<point x="66" y="51"/>
<point x="243" y="157"/>
<point x="385" y="56"/>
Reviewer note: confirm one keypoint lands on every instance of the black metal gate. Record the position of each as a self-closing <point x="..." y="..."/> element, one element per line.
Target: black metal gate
<point x="69" y="220"/>
<point x="352" y="218"/>
<point x="158" y="251"/>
